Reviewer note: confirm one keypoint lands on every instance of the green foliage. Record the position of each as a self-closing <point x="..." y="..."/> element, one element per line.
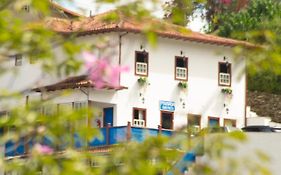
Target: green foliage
<point x="142" y="81"/>
<point x="182" y="85"/>
<point x="250" y="18"/>
<point x="265" y="81"/>
<point x="226" y="90"/>
<point x="179" y="11"/>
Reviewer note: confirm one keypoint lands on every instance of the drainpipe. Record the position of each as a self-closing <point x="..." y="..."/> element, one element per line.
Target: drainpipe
<point x="246" y="98"/>
<point x="120" y="52"/>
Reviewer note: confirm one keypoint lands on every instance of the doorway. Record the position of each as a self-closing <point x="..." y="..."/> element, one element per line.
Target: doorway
<point x="108" y="116"/>
<point x="167" y="120"/>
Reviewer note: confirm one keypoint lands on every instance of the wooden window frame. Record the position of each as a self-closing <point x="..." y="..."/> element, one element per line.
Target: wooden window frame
<point x="175" y="68"/>
<point x="161" y="122"/>
<point x="195" y="115"/>
<point x="232" y="120"/>
<point x="17" y="58"/>
<point x="230" y="67"/>
<point x="142" y="109"/>
<point x="136" y="52"/>
<point x="215" y="118"/>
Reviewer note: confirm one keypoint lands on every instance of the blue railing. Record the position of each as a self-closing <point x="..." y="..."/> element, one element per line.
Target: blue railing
<point x="108" y="136"/>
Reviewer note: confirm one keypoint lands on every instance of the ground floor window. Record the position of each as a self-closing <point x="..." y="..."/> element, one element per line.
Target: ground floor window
<point x="167" y="120"/>
<point x="194" y="122"/>
<point x="139" y="117"/>
<point x="213" y="122"/>
<point x="229" y="122"/>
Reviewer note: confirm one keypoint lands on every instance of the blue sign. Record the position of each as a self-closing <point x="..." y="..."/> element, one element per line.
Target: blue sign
<point x="167" y="105"/>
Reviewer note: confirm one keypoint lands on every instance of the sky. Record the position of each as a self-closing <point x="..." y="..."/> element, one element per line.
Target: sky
<point x="89" y="6"/>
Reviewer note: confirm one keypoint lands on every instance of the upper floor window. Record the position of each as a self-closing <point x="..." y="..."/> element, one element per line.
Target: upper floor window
<point x="181" y="68"/>
<point x="141" y="63"/>
<point x="18" y="60"/>
<point x="139" y="117"/>
<point x="224" y="74"/>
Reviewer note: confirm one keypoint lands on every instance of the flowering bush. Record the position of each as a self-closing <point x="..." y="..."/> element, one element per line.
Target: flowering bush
<point x="101" y="71"/>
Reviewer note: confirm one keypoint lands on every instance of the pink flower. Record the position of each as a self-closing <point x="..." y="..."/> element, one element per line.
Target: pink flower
<point x="226" y="1"/>
<point x="43" y="149"/>
<point x="101" y="72"/>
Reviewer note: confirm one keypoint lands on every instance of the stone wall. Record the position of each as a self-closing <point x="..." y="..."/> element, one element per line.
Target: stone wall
<point x="265" y="104"/>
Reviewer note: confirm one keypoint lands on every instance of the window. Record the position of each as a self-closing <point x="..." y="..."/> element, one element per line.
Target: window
<point x="141" y="63"/>
<point x="214" y="122"/>
<point x="167" y="120"/>
<point x="18" y="60"/>
<point x="229" y="122"/>
<point x="224" y="74"/>
<point x="194" y="122"/>
<point x="139" y="117"/>
<point x="181" y="68"/>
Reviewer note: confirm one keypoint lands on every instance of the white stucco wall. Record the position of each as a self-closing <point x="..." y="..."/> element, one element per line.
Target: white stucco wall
<point x="203" y="95"/>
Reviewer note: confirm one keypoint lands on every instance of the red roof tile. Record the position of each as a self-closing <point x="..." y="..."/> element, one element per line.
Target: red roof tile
<point x="101" y="24"/>
<point x="75" y="82"/>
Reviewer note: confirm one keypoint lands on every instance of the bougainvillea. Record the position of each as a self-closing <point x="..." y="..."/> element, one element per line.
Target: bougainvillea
<point x="101" y="71"/>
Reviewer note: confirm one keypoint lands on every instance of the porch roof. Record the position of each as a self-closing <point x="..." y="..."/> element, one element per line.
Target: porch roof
<point x="76" y="82"/>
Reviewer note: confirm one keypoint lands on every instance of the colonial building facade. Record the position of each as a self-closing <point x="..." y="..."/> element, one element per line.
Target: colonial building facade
<point x="188" y="78"/>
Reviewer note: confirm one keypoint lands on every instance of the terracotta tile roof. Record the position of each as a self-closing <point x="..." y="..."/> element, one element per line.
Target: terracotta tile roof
<point x="75" y="82"/>
<point x="101" y="23"/>
<point x="265" y="104"/>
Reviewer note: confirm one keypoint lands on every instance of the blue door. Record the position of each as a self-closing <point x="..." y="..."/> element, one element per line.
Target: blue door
<point x="214" y="122"/>
<point x="107" y="116"/>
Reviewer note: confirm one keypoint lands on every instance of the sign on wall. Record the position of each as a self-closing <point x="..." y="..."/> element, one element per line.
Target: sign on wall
<point x="167" y="105"/>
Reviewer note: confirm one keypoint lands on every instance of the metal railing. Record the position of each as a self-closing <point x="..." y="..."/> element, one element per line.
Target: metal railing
<point x="139" y="123"/>
<point x="181" y="73"/>
<point x="107" y="136"/>
<point x="141" y="68"/>
<point x="224" y="79"/>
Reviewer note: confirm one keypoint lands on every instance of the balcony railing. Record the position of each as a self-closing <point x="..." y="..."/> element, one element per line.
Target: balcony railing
<point x="181" y="73"/>
<point x="224" y="79"/>
<point x="139" y="123"/>
<point x="141" y="68"/>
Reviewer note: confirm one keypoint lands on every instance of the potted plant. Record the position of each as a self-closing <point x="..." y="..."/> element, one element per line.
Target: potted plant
<point x="142" y="81"/>
<point x="182" y="85"/>
<point x="227" y="91"/>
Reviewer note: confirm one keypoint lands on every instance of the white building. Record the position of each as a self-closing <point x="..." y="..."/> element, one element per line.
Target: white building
<point x="204" y="63"/>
